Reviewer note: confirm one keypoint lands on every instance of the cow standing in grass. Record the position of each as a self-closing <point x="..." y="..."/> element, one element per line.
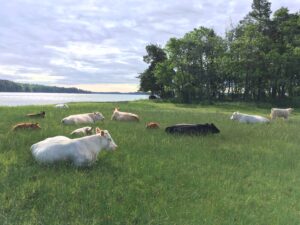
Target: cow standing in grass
<point x="284" y="113"/>
<point x="81" y="151"/>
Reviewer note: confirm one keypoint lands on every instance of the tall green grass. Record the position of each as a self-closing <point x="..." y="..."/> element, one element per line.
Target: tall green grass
<point x="247" y="174"/>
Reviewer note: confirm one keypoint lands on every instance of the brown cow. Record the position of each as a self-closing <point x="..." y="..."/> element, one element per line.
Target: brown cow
<point x="152" y="125"/>
<point x="32" y="126"/>
<point x="41" y="114"/>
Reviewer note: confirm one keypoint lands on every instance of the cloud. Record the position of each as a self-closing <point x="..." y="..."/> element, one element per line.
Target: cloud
<point x="73" y="42"/>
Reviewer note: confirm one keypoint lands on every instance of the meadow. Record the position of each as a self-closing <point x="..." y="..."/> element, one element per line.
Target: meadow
<point x="247" y="174"/>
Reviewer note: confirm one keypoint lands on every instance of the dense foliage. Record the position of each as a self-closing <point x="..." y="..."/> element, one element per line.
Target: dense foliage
<point x="259" y="60"/>
<point x="10" y="86"/>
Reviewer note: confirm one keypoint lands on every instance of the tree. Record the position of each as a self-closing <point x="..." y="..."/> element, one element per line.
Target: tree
<point x="148" y="81"/>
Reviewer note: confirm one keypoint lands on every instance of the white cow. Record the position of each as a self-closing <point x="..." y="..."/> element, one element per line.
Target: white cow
<point x="124" y="116"/>
<point x="82" y="131"/>
<point x="62" y="106"/>
<point x="275" y="112"/>
<point x="83" y="118"/>
<point x="246" y="118"/>
<point x="81" y="151"/>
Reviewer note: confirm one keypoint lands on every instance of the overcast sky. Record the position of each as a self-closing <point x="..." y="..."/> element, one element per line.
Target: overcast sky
<point x="98" y="45"/>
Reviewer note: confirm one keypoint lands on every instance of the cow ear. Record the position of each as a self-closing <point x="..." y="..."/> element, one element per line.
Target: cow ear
<point x="97" y="130"/>
<point x="102" y="133"/>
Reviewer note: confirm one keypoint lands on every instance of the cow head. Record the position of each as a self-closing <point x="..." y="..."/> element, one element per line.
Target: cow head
<point x="35" y="126"/>
<point x="235" y="116"/>
<point x="98" y="116"/>
<point x="109" y="143"/>
<point x="115" y="113"/>
<point x="214" y="129"/>
<point x="89" y="130"/>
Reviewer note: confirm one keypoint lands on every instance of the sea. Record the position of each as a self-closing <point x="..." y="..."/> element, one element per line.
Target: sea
<point x="28" y="98"/>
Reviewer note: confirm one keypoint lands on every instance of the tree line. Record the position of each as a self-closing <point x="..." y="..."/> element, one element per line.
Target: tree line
<point x="259" y="59"/>
<point x="10" y="86"/>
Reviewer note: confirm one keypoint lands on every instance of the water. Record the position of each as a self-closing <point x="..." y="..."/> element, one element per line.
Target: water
<point x="22" y="98"/>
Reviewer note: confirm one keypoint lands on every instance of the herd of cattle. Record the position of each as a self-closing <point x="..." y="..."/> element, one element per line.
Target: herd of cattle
<point x="83" y="151"/>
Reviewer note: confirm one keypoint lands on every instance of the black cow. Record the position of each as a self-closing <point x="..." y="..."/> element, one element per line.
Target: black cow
<point x="152" y="97"/>
<point x="193" y="129"/>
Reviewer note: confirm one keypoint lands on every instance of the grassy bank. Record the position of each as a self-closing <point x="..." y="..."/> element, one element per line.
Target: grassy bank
<point x="247" y="174"/>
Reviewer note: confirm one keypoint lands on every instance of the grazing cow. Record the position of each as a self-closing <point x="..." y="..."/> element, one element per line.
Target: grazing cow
<point x="275" y="112"/>
<point x="193" y="129"/>
<point x="80" y="151"/>
<point x="83" y="131"/>
<point x="32" y="126"/>
<point x="124" y="116"/>
<point x="246" y="118"/>
<point x="62" y="106"/>
<point x="83" y="118"/>
<point x="41" y="114"/>
<point x="152" y="125"/>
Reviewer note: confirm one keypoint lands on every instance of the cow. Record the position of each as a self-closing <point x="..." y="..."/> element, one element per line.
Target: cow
<point x="152" y="125"/>
<point x="83" y="131"/>
<point x="31" y="126"/>
<point x="83" y="118"/>
<point x="41" y="114"/>
<point x="275" y="113"/>
<point x="124" y="116"/>
<point x="80" y="151"/>
<point x="193" y="129"/>
<point x="246" y="118"/>
<point x="152" y="97"/>
<point x="62" y="106"/>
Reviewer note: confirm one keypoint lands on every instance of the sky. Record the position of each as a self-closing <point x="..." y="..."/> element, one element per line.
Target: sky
<point x="99" y="45"/>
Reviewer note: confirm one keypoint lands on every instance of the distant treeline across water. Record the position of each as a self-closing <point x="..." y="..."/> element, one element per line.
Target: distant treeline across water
<point x="10" y="86"/>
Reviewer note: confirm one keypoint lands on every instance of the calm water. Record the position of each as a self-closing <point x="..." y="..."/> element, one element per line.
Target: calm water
<point x="17" y="98"/>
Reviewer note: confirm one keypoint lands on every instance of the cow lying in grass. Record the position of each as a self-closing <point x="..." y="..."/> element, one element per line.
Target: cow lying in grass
<point x="246" y="118"/>
<point x="62" y="106"/>
<point x="80" y="151"/>
<point x="124" y="116"/>
<point x="83" y="118"/>
<point x="32" y="126"/>
<point x="275" y="113"/>
<point x="152" y="125"/>
<point x="82" y="131"/>
<point x="41" y="114"/>
<point x="193" y="129"/>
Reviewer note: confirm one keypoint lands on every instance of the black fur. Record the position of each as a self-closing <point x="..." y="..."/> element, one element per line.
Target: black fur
<point x="193" y="129"/>
<point x="152" y="97"/>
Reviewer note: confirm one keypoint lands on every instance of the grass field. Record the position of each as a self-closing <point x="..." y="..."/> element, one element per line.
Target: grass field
<point x="247" y="174"/>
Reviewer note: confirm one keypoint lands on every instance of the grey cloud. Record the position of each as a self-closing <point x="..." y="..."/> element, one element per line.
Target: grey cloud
<point x="76" y="42"/>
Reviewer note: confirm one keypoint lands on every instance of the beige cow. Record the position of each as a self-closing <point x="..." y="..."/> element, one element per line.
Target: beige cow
<point x="124" y="116"/>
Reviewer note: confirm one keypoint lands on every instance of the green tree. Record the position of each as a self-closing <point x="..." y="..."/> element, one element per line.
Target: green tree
<point x="148" y="81"/>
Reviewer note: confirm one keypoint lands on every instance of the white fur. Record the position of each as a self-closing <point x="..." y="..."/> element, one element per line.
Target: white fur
<point x="62" y="106"/>
<point x="81" y="151"/>
<point x="275" y="112"/>
<point x="83" y="118"/>
<point x="246" y="118"/>
<point x="124" y="116"/>
<point x="82" y="131"/>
